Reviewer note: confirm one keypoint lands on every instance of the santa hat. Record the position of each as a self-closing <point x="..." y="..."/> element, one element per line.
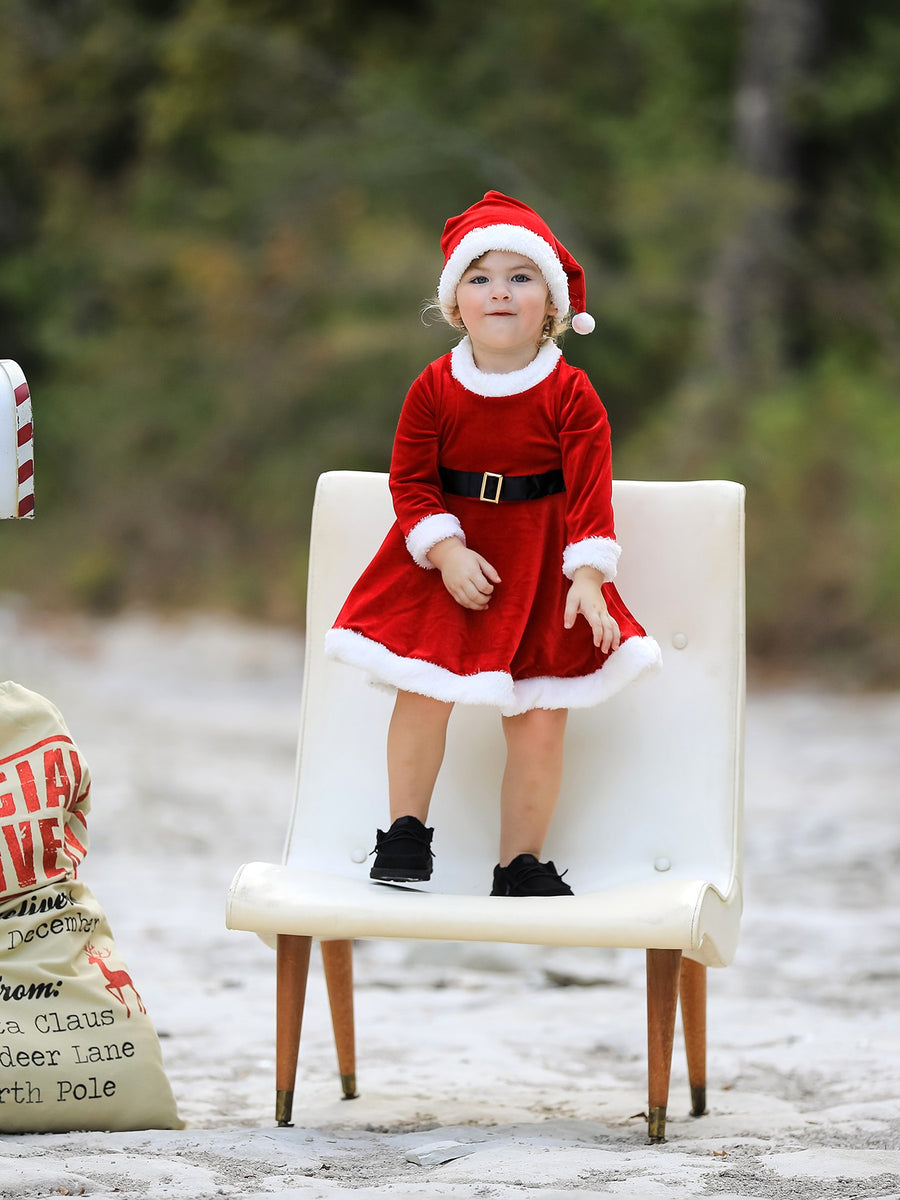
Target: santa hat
<point x="500" y="223"/>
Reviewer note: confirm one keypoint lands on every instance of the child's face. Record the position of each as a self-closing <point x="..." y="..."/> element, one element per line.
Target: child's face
<point x="503" y="301"/>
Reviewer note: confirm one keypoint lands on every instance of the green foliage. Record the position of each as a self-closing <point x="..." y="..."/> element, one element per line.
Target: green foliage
<point x="219" y="221"/>
<point x="819" y="457"/>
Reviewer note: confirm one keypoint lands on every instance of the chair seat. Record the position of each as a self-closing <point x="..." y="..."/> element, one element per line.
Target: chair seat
<point x="668" y="914"/>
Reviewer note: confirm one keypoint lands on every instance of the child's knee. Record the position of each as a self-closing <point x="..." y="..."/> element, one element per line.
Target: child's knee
<point x="539" y="725"/>
<point x="417" y="707"/>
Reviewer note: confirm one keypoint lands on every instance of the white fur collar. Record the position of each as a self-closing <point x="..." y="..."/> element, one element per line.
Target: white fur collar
<point x="508" y="383"/>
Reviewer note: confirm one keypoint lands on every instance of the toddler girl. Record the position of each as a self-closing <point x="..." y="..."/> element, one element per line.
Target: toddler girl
<point x="494" y="585"/>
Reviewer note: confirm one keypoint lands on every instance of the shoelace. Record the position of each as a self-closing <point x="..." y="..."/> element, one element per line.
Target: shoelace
<point x="529" y="871"/>
<point x="399" y="835"/>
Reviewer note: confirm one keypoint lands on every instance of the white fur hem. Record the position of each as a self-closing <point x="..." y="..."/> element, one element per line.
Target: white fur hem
<point x="517" y="240"/>
<point x="386" y="669"/>
<point x="600" y="552"/>
<point x="502" y="383"/>
<point x="428" y="532"/>
<point x="635" y="657"/>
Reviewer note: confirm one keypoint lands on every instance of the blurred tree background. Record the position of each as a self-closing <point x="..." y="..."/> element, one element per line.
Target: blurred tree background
<point x="219" y="220"/>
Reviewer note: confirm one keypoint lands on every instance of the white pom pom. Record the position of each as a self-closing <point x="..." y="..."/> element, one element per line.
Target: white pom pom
<point x="583" y="323"/>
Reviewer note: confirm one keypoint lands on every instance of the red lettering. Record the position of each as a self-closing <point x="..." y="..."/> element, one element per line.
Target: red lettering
<point x="26" y="778"/>
<point x="59" y="786"/>
<point x="7" y="803"/>
<point x="76" y="772"/>
<point x="22" y="854"/>
<point x="76" y="850"/>
<point x="52" y="846"/>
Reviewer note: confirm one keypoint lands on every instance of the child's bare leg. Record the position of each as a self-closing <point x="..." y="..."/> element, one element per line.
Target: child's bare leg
<point x="531" y="781"/>
<point x="415" y="750"/>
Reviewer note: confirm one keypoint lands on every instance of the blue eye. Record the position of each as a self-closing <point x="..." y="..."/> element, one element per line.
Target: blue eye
<point x="521" y="277"/>
<point x="478" y="279"/>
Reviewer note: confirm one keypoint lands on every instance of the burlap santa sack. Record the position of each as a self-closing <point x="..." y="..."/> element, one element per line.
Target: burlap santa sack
<point x="77" y="1048"/>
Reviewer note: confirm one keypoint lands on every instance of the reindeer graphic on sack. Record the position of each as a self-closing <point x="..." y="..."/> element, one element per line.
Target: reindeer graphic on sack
<point x="77" y="1048"/>
<point x="116" y="981"/>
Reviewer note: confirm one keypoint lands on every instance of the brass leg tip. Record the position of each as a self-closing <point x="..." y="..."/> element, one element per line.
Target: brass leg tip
<point x="656" y="1126"/>
<point x="348" y="1086"/>
<point x="284" y="1102"/>
<point x="698" y="1100"/>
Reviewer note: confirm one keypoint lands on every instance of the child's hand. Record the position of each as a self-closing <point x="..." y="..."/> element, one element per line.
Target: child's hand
<point x="467" y="576"/>
<point x="586" y="597"/>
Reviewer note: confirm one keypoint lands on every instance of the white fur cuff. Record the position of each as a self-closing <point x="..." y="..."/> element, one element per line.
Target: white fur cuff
<point x="600" y="552"/>
<point x="430" y="531"/>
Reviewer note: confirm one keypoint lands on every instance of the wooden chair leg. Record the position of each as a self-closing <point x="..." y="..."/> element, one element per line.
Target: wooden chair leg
<point x="290" y="995"/>
<point x="693" y="1018"/>
<point x="663" y="971"/>
<point x="337" y="959"/>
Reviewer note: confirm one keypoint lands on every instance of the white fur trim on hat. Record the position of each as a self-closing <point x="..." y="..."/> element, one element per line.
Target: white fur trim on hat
<point x="503" y="383"/>
<point x="600" y="552"/>
<point x="428" y="532"/>
<point x="516" y="239"/>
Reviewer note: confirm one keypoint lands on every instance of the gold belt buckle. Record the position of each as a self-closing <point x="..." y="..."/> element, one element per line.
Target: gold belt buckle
<point x="495" y="499"/>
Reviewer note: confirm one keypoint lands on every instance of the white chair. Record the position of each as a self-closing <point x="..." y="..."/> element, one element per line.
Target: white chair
<point x="649" y="823"/>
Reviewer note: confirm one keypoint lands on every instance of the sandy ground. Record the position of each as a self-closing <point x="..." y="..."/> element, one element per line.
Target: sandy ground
<point x="533" y="1060"/>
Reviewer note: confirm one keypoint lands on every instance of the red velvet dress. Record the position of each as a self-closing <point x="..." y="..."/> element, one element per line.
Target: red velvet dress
<point x="402" y="626"/>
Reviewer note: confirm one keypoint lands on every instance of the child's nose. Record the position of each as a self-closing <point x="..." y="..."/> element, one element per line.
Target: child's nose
<point x="500" y="289"/>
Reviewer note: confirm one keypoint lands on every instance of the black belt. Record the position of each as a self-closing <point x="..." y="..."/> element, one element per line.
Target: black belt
<point x="487" y="485"/>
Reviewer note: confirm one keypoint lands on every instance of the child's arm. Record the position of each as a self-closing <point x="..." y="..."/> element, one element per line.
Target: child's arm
<point x="586" y="597"/>
<point x="415" y="481"/>
<point x="467" y="576"/>
<point x="587" y="467"/>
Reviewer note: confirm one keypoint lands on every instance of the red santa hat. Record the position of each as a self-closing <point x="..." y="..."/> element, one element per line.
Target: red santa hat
<point x="500" y="223"/>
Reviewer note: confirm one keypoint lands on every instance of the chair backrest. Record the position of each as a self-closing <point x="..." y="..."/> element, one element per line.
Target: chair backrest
<point x="653" y="777"/>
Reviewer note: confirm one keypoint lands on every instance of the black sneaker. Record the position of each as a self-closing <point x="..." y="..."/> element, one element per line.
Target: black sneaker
<point x="525" y="876"/>
<point x="403" y="854"/>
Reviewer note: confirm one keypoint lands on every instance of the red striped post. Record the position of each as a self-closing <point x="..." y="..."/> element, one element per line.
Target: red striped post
<point x="16" y="443"/>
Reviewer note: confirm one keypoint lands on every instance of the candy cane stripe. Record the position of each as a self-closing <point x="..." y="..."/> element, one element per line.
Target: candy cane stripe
<point x="16" y="442"/>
